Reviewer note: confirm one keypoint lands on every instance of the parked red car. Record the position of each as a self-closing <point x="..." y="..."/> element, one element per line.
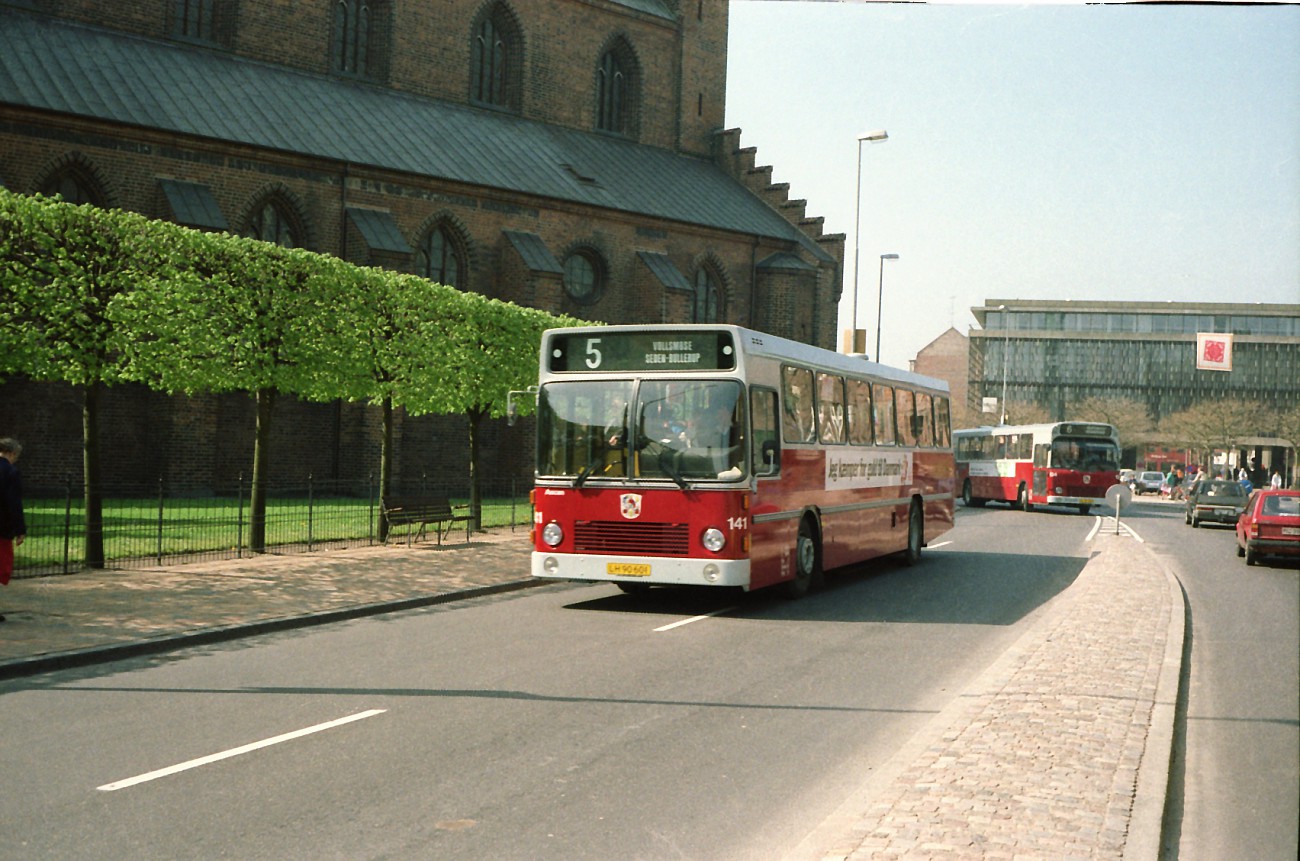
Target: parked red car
<point x="1270" y="525"/>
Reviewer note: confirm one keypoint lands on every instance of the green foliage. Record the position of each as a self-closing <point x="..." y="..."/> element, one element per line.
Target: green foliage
<point x="91" y="295"/>
<point x="61" y="267"/>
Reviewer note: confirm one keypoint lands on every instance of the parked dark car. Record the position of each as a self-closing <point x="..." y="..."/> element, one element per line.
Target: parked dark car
<point x="1270" y="525"/>
<point x="1215" y="501"/>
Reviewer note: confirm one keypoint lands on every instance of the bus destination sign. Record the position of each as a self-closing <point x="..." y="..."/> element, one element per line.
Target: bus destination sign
<point x="641" y="351"/>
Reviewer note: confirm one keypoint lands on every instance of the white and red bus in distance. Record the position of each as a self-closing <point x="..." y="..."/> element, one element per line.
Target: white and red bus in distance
<point x="1058" y="463"/>
<point x="719" y="456"/>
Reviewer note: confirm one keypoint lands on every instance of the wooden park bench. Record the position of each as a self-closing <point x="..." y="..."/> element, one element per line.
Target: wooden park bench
<point x="424" y="511"/>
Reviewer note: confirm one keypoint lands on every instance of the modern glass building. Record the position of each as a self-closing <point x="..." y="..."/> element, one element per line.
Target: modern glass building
<point x="1058" y="353"/>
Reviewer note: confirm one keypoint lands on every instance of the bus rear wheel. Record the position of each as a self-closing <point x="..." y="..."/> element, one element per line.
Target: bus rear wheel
<point x="807" y="562"/>
<point x="915" y="535"/>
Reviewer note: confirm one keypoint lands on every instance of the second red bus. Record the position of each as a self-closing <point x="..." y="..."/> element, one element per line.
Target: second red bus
<point x="1057" y="463"/>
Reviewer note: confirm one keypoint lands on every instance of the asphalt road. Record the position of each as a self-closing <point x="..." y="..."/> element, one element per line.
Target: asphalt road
<point x="567" y="722"/>
<point x="1238" y="783"/>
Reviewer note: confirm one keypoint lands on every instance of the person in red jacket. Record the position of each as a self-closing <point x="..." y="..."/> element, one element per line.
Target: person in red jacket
<point x="13" y="527"/>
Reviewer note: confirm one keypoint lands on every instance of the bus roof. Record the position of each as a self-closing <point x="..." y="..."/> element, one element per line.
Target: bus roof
<point x="1034" y="428"/>
<point x="757" y="343"/>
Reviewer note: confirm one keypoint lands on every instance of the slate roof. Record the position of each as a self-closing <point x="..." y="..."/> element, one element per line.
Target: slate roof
<point x="532" y="249"/>
<point x="652" y="7"/>
<point x="193" y="204"/>
<point x="53" y="65"/>
<point x="379" y="230"/>
<point x="664" y="270"/>
<point x="783" y="260"/>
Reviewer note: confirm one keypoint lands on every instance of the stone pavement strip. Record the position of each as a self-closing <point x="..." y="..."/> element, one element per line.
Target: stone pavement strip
<point x="63" y="621"/>
<point x="1059" y="750"/>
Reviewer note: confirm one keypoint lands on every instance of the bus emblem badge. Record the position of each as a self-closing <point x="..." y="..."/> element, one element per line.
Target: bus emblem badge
<point x="630" y="505"/>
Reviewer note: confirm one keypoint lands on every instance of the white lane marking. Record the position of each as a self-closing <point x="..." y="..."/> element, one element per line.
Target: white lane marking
<point x="1110" y="524"/>
<point x="1096" y="525"/>
<point x="693" y="619"/>
<point x="1131" y="531"/>
<point x="937" y="546"/>
<point x="216" y="757"/>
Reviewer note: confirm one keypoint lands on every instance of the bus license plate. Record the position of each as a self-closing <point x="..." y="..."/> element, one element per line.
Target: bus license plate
<point x="627" y="569"/>
<point x="1291" y="530"/>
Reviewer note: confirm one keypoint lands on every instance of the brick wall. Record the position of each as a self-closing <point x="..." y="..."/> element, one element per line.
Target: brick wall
<point x="206" y="440"/>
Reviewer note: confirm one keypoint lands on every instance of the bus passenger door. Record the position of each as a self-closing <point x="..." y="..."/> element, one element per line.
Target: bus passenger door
<point x="1042" y="456"/>
<point x="771" y="540"/>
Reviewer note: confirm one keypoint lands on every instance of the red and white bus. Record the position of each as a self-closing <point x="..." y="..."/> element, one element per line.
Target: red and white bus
<point x="1060" y="463"/>
<point x="713" y="455"/>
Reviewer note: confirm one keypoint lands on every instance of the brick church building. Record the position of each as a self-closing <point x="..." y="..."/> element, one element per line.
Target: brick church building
<point x="568" y="155"/>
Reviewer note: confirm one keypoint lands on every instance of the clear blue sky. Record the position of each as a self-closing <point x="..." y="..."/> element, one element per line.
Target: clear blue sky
<point x="1035" y="151"/>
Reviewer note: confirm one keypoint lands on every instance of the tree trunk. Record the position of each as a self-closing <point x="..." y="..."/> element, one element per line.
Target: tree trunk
<point x="386" y="462"/>
<point x="475" y="497"/>
<point x="94" y="543"/>
<point x="257" y="499"/>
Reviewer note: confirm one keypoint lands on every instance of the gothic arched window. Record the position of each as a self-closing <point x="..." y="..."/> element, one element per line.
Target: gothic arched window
<point x="494" y="60"/>
<point x="708" y="297"/>
<point x="438" y="258"/>
<point x="271" y="222"/>
<point x="611" y="94"/>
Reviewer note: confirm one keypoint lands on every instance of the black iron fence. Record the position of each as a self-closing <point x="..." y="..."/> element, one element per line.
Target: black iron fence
<point x="158" y="524"/>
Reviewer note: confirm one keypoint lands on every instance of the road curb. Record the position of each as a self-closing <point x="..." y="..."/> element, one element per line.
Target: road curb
<point x="50" y="662"/>
<point x="1146" y="823"/>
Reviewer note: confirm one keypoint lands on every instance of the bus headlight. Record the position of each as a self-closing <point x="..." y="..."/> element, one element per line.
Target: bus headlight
<point x="552" y="534"/>
<point x="550" y="565"/>
<point x="712" y="573"/>
<point x="713" y="539"/>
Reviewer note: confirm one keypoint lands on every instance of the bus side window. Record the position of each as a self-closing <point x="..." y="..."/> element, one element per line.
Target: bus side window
<point x="859" y="412"/>
<point x="925" y="420"/>
<point x="797" y="423"/>
<point x="942" y="423"/>
<point x="765" y="455"/>
<point x="882" y="403"/>
<point x="1041" y="452"/>
<point x="906" y="407"/>
<point x="830" y="408"/>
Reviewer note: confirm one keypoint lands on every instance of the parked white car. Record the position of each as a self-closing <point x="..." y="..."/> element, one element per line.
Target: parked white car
<point x="1148" y="482"/>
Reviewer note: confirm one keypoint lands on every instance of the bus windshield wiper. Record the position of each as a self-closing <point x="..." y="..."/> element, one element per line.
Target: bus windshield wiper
<point x="584" y="474"/>
<point x="665" y="463"/>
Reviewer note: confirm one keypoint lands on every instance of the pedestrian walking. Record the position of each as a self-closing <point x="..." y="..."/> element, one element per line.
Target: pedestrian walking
<point x="13" y="527"/>
<point x="1276" y="481"/>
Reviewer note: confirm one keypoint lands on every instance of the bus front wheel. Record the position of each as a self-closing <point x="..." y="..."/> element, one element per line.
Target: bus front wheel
<point x="968" y="499"/>
<point x="1022" y="499"/>
<point x="807" y="561"/>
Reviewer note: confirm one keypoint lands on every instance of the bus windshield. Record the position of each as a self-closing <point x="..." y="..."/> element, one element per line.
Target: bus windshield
<point x="1085" y="455"/>
<point x="677" y="430"/>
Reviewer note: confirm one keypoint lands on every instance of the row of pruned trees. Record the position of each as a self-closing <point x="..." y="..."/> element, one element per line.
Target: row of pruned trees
<point x="95" y="297"/>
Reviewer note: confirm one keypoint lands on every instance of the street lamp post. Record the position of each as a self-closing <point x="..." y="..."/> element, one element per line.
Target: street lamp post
<point x="880" y="298"/>
<point x="1006" y="349"/>
<point x="878" y="136"/>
